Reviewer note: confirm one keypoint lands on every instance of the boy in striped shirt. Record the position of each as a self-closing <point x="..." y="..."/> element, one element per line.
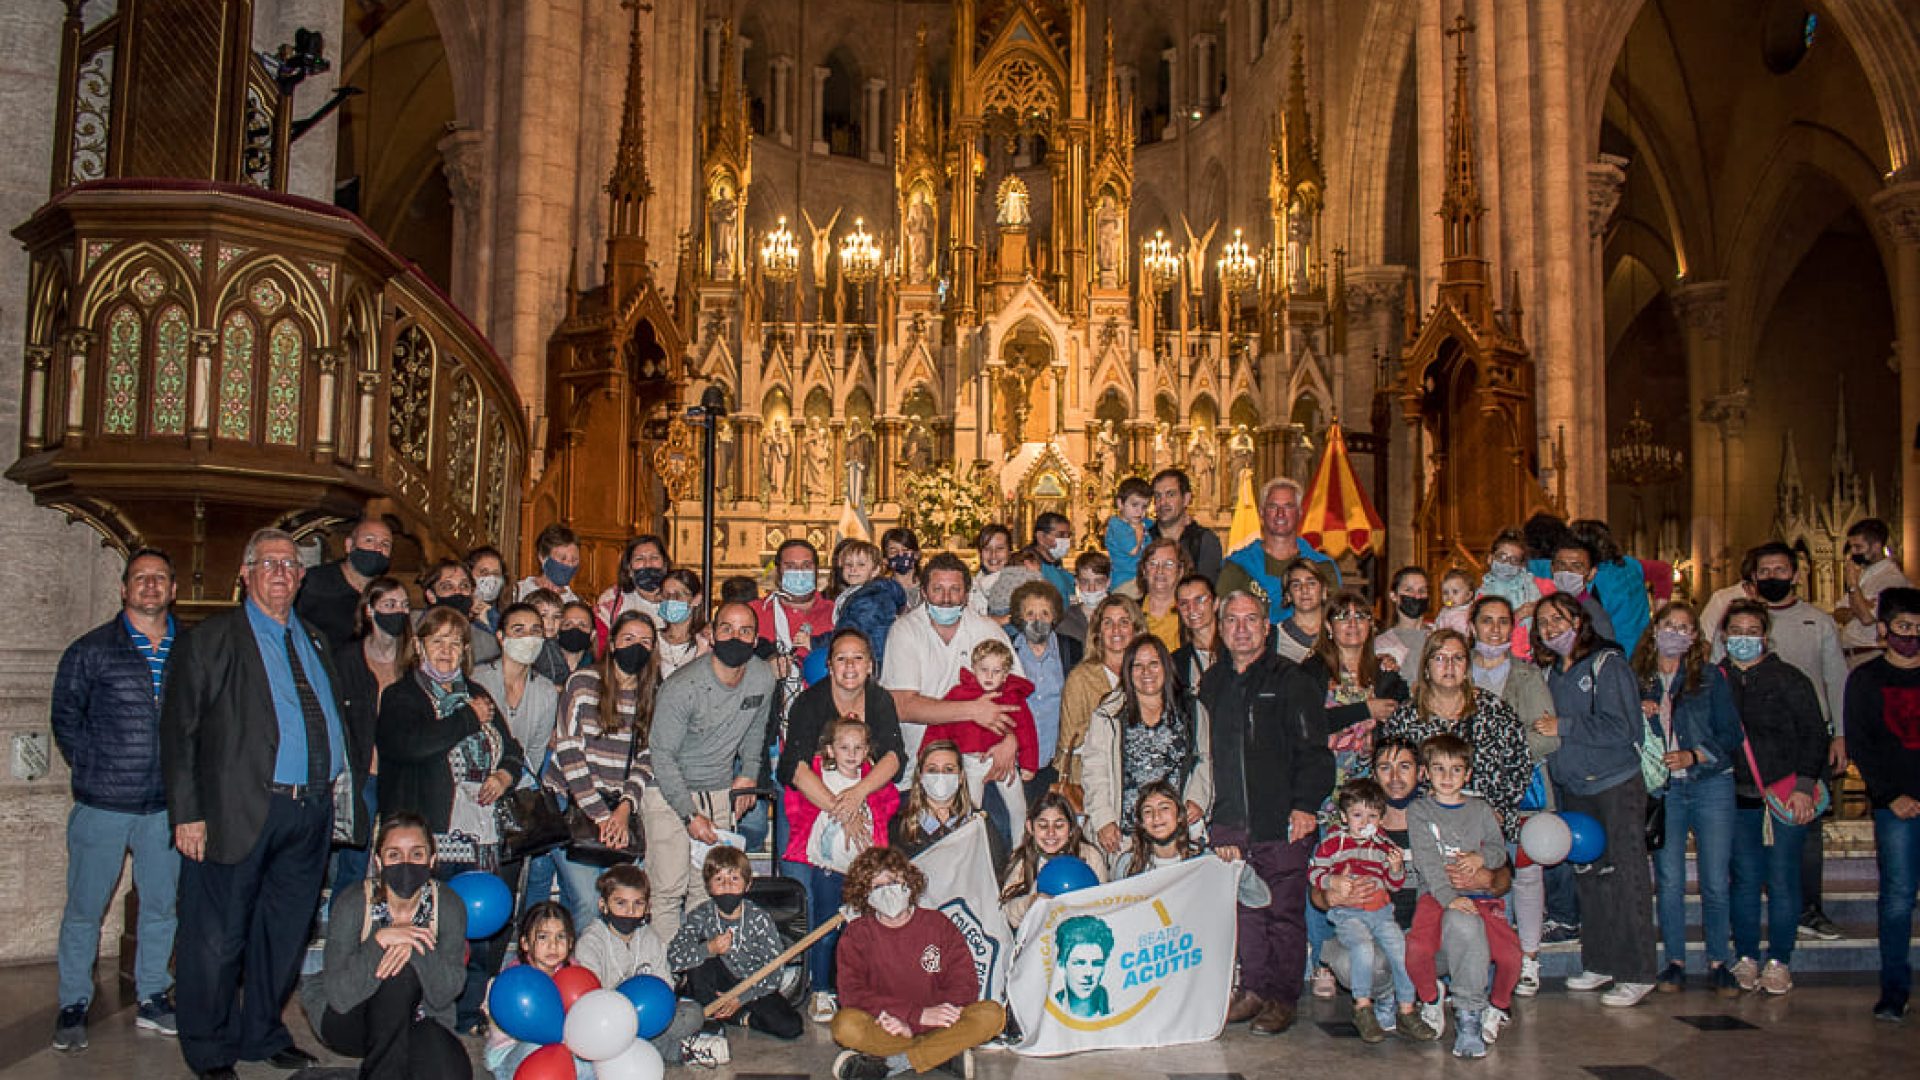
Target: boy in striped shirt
<point x="1357" y="848"/>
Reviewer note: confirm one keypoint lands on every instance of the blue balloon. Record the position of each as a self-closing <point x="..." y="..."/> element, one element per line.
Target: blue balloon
<point x="1064" y="874"/>
<point x="653" y="999"/>
<point x="814" y="667"/>
<point x="1589" y="837"/>
<point x="489" y="903"/>
<point x="526" y="1005"/>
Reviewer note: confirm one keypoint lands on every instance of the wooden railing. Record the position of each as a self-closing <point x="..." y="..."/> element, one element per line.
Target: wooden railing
<point x="206" y="358"/>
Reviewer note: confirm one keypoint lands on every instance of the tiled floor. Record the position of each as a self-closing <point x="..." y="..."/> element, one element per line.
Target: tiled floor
<point x="1818" y="1030"/>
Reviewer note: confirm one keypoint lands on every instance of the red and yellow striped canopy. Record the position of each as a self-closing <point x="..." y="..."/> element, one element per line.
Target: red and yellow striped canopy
<point x="1338" y="517"/>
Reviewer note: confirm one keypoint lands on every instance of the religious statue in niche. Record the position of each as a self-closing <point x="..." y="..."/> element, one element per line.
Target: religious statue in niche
<point x="916" y="451"/>
<point x="778" y="452"/>
<point x="1162" y="446"/>
<point x="919" y="241"/>
<point x="724" y="456"/>
<point x="1299" y="244"/>
<point x="1011" y="204"/>
<point x="1200" y="465"/>
<point x="724" y="215"/>
<point x="817" y="462"/>
<point x="1109" y="247"/>
<point x="1106" y="444"/>
<point x="1239" y="455"/>
<point x="859" y="461"/>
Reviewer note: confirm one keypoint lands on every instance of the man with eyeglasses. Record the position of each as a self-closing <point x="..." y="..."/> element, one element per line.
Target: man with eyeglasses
<point x="253" y="747"/>
<point x="106" y="720"/>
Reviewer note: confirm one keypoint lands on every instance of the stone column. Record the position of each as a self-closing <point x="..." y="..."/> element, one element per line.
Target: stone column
<point x="818" y="107"/>
<point x="39" y="362"/>
<point x="464" y="155"/>
<point x="1899" y="212"/>
<point x="1176" y="104"/>
<point x="1702" y="310"/>
<point x="1203" y="48"/>
<point x="710" y="54"/>
<point x="873" y="139"/>
<point x="782" y="95"/>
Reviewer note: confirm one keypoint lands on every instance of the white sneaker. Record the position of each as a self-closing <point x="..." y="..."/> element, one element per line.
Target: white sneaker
<point x="1588" y="980"/>
<point x="1775" y="978"/>
<point x="823" y="1007"/>
<point x="1746" y="973"/>
<point x="715" y="1046"/>
<point x="1626" y="995"/>
<point x="1492" y="1021"/>
<point x="1529" y="983"/>
<point x="1435" y="1012"/>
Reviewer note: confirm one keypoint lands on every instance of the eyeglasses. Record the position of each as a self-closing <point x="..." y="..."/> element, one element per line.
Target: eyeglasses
<point x="1163" y="564"/>
<point x="1350" y="616"/>
<point x="1448" y="659"/>
<point x="276" y="566"/>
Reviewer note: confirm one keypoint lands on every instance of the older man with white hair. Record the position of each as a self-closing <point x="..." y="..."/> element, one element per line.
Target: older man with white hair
<point x="1260" y="566"/>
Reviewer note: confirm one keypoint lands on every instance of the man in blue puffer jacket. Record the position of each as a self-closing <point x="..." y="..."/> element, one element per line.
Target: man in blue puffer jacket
<point x="106" y="718"/>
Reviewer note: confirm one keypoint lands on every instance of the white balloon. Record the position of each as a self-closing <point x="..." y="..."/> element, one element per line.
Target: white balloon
<point x="1546" y="839"/>
<point x="639" y="1062"/>
<point x="601" y="1025"/>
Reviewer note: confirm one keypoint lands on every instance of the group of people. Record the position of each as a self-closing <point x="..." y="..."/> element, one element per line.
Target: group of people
<point x="1160" y="700"/>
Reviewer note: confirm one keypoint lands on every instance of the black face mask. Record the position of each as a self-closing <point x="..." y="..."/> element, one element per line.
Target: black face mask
<point x="1402" y="804"/>
<point x="574" y="640"/>
<point x="1773" y="590"/>
<point x="405" y="880"/>
<point x="625" y="925"/>
<point x="1858" y="559"/>
<point x="649" y="578"/>
<point x="368" y="564"/>
<point x="391" y="623"/>
<point x="728" y="903"/>
<point x="1413" y="606"/>
<point x="460" y="602"/>
<point x="733" y="652"/>
<point x="632" y="659"/>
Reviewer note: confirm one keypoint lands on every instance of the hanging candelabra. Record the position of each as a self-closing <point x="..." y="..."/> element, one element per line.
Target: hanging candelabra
<point x="1636" y="460"/>
<point x="1239" y="272"/>
<point x="780" y="254"/>
<point x="1162" y="266"/>
<point x="859" y="254"/>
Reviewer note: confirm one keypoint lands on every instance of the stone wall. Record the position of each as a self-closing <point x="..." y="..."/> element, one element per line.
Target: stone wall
<point x="57" y="578"/>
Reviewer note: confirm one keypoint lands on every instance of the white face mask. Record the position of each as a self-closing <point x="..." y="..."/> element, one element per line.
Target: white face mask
<point x="1197" y="831"/>
<point x="941" y="786"/>
<point x="487" y="589"/>
<point x="1091" y="600"/>
<point x="891" y="901"/>
<point x="1061" y="548"/>
<point x="1365" y="832"/>
<point x="523" y="650"/>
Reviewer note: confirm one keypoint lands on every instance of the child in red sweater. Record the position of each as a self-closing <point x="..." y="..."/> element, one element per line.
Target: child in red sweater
<point x="1357" y="849"/>
<point x="909" y="997"/>
<point x="991" y="676"/>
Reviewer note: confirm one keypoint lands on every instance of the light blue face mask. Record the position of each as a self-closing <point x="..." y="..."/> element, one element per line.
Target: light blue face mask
<point x="798" y="582"/>
<point x="1746" y="649"/>
<point x="945" y="616"/>
<point x="675" y="612"/>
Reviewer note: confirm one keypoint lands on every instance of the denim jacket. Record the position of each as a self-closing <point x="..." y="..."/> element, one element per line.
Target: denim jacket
<point x="1704" y="720"/>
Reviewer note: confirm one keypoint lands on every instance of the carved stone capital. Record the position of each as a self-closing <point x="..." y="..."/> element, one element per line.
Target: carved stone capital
<point x="1372" y="288"/>
<point x="369" y="381"/>
<point x="329" y="358"/>
<point x="39" y="357"/>
<point x="77" y="341"/>
<point x="1606" y="179"/>
<point x="204" y="341"/>
<point x="1702" y="308"/>
<point x="1728" y="410"/>
<point x="465" y="153"/>
<point x="1897" y="209"/>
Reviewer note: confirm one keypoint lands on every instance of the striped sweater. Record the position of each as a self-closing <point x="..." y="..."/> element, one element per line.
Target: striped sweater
<point x="1346" y="855"/>
<point x="588" y="761"/>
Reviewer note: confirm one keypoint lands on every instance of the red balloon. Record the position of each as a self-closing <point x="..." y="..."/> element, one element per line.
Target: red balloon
<point x="573" y="981"/>
<point x="547" y="1063"/>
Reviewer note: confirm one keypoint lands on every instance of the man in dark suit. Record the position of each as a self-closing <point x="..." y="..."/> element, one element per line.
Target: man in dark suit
<point x="252" y="740"/>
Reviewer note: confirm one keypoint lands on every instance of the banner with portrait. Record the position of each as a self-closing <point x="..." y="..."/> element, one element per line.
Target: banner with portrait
<point x="1144" y="961"/>
<point x="961" y="885"/>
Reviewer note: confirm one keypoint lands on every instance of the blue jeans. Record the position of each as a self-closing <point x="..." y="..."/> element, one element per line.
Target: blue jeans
<point x="1777" y="868"/>
<point x="1319" y="931"/>
<point x="1366" y="932"/>
<point x="97" y="845"/>
<point x="823" y="900"/>
<point x="577" y="890"/>
<point x="1704" y="807"/>
<point x="1897" y="851"/>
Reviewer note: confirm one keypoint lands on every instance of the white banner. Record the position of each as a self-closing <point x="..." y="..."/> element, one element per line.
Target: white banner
<point x="960" y="883"/>
<point x="1144" y="961"/>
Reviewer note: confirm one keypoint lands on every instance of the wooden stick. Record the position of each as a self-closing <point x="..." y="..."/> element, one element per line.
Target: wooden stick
<point x="776" y="963"/>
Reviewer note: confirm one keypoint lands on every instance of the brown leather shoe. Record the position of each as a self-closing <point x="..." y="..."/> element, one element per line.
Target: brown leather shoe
<point x="1275" y="1018"/>
<point x="1244" y="1006"/>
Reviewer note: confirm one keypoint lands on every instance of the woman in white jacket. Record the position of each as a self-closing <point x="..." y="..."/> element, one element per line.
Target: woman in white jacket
<point x="1142" y="732"/>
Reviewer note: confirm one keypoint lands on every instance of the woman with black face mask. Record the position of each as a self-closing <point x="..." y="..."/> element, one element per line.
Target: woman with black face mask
<point x="642" y="570"/>
<point x="1408" y="601"/>
<point x="599" y="760"/>
<point x="394" y="964"/>
<point x="383" y="652"/>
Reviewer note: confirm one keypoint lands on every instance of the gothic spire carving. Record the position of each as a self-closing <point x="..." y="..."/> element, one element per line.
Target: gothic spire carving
<point x="726" y="166"/>
<point x="1296" y="188"/>
<point x="917" y="136"/>
<point x="629" y="187"/>
<point x="1460" y="205"/>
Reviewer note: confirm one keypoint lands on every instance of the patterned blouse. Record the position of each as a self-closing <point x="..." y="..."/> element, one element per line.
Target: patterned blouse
<point x="1159" y="752"/>
<point x="1501" y="764"/>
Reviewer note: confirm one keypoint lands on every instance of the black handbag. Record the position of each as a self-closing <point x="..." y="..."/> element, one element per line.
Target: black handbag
<point x="529" y="822"/>
<point x="584" y="844"/>
<point x="1656" y="824"/>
